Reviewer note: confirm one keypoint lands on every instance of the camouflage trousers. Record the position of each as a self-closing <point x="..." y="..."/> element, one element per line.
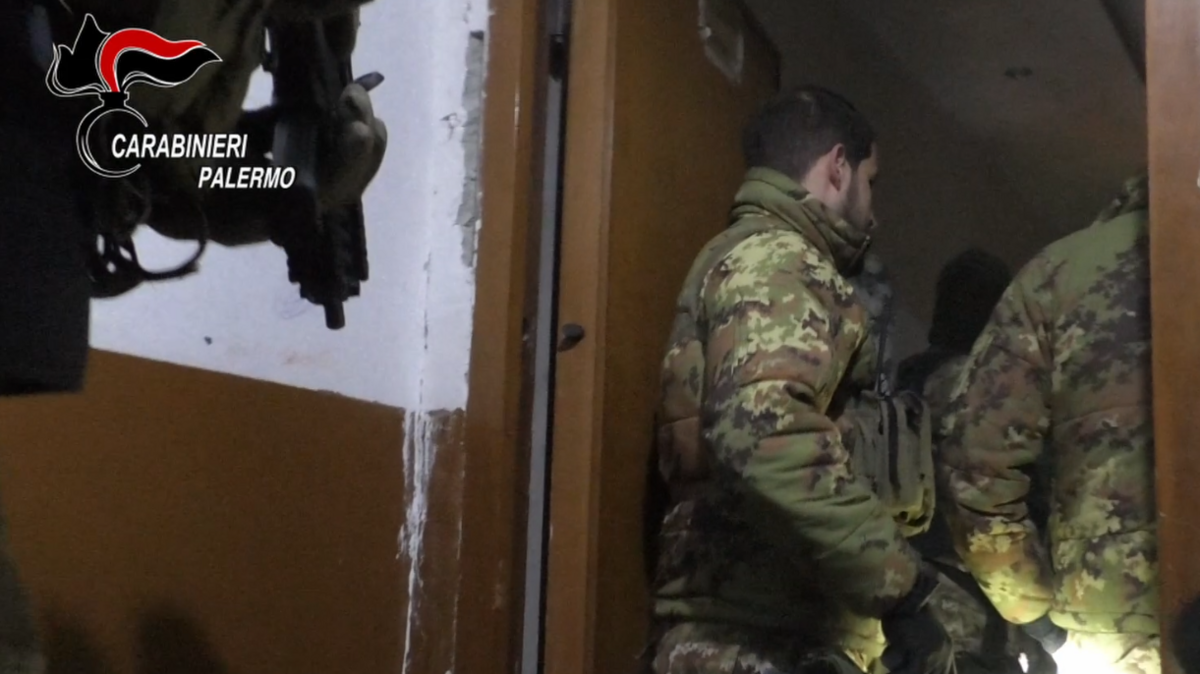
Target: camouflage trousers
<point x="695" y="648"/>
<point x="1088" y="653"/>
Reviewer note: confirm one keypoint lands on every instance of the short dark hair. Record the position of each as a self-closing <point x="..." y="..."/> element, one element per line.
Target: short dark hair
<point x="968" y="288"/>
<point x="797" y="127"/>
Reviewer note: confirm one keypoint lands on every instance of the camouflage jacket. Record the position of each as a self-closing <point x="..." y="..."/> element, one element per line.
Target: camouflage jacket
<point x="1063" y="368"/>
<point x="939" y="389"/>
<point x="768" y="527"/>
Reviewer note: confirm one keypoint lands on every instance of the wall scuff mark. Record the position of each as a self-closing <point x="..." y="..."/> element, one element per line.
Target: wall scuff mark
<point x="468" y="210"/>
<point x="419" y="456"/>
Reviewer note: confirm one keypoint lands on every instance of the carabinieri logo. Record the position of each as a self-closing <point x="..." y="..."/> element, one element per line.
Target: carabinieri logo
<point x="108" y="64"/>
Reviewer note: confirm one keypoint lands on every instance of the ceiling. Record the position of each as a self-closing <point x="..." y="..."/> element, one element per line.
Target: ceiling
<point x="1044" y="95"/>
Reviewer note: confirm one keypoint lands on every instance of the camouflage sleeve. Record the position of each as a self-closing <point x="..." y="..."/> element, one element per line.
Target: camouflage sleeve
<point x="995" y="429"/>
<point x="770" y="350"/>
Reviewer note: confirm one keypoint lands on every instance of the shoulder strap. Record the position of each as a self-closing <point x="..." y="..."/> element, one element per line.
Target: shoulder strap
<point x="882" y="385"/>
<point x="995" y="630"/>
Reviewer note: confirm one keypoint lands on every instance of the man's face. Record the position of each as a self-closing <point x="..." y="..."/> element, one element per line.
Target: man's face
<point x="858" y="193"/>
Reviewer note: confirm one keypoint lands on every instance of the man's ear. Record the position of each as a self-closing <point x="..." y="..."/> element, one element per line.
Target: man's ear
<point x="839" y="167"/>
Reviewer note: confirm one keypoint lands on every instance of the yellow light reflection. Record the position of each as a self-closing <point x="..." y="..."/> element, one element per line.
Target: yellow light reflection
<point x="1071" y="659"/>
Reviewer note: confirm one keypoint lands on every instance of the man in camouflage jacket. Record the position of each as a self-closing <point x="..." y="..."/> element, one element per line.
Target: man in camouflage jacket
<point x="773" y="554"/>
<point x="1063" y="368"/>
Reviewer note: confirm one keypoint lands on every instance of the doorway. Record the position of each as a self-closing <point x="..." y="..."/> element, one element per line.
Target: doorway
<point x="1006" y="139"/>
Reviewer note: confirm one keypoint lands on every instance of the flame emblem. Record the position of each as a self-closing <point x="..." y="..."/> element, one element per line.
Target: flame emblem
<point x="108" y="64"/>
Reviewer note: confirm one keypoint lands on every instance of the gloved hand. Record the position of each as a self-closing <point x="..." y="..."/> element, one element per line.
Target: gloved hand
<point x="917" y="642"/>
<point x="1050" y="636"/>
<point x="360" y="144"/>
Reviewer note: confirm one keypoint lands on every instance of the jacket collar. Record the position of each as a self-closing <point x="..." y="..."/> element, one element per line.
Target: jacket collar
<point x="768" y="192"/>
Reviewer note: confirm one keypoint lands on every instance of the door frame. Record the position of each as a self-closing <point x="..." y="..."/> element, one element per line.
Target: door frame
<point x="570" y="597"/>
<point x="1173" y="120"/>
<point x="490" y="591"/>
<point x="578" y="397"/>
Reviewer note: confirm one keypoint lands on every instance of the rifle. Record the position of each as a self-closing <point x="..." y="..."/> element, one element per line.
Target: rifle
<point x="326" y="248"/>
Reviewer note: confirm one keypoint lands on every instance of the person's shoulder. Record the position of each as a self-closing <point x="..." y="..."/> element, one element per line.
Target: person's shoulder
<point x="776" y="267"/>
<point x="1070" y="268"/>
<point x="1106" y="236"/>
<point x="764" y="257"/>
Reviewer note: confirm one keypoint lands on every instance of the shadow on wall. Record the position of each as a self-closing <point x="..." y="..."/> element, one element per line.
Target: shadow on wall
<point x="169" y="641"/>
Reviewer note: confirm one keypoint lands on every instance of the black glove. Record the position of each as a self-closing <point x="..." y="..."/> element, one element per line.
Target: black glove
<point x="917" y="642"/>
<point x="1050" y="636"/>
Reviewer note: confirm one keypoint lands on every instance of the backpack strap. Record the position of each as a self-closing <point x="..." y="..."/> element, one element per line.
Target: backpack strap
<point x="995" y="630"/>
<point x="882" y="385"/>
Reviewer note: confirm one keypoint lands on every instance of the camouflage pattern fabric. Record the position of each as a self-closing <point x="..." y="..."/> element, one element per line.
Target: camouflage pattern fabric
<point x="939" y="391"/>
<point x="965" y="619"/>
<point x="962" y="613"/>
<point x="768" y="527"/>
<point x="697" y="648"/>
<point x="1063" y="367"/>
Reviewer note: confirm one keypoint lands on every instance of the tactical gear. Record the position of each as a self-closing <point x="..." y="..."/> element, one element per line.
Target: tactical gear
<point x="890" y="440"/>
<point x="917" y="642"/>
<point x="711" y="648"/>
<point x="890" y="444"/>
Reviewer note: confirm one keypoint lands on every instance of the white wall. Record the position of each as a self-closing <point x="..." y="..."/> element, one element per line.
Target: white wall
<point x="407" y="337"/>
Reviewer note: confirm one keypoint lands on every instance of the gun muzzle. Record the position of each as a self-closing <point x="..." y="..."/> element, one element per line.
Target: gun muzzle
<point x="335" y="315"/>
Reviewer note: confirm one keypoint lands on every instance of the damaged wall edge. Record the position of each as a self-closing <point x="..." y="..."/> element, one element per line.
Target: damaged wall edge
<point x="490" y="594"/>
<point x="430" y="541"/>
<point x="469" y="210"/>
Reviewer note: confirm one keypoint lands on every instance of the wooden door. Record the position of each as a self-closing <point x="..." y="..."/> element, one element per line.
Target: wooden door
<point x="653" y="158"/>
<point x="1173" y="100"/>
